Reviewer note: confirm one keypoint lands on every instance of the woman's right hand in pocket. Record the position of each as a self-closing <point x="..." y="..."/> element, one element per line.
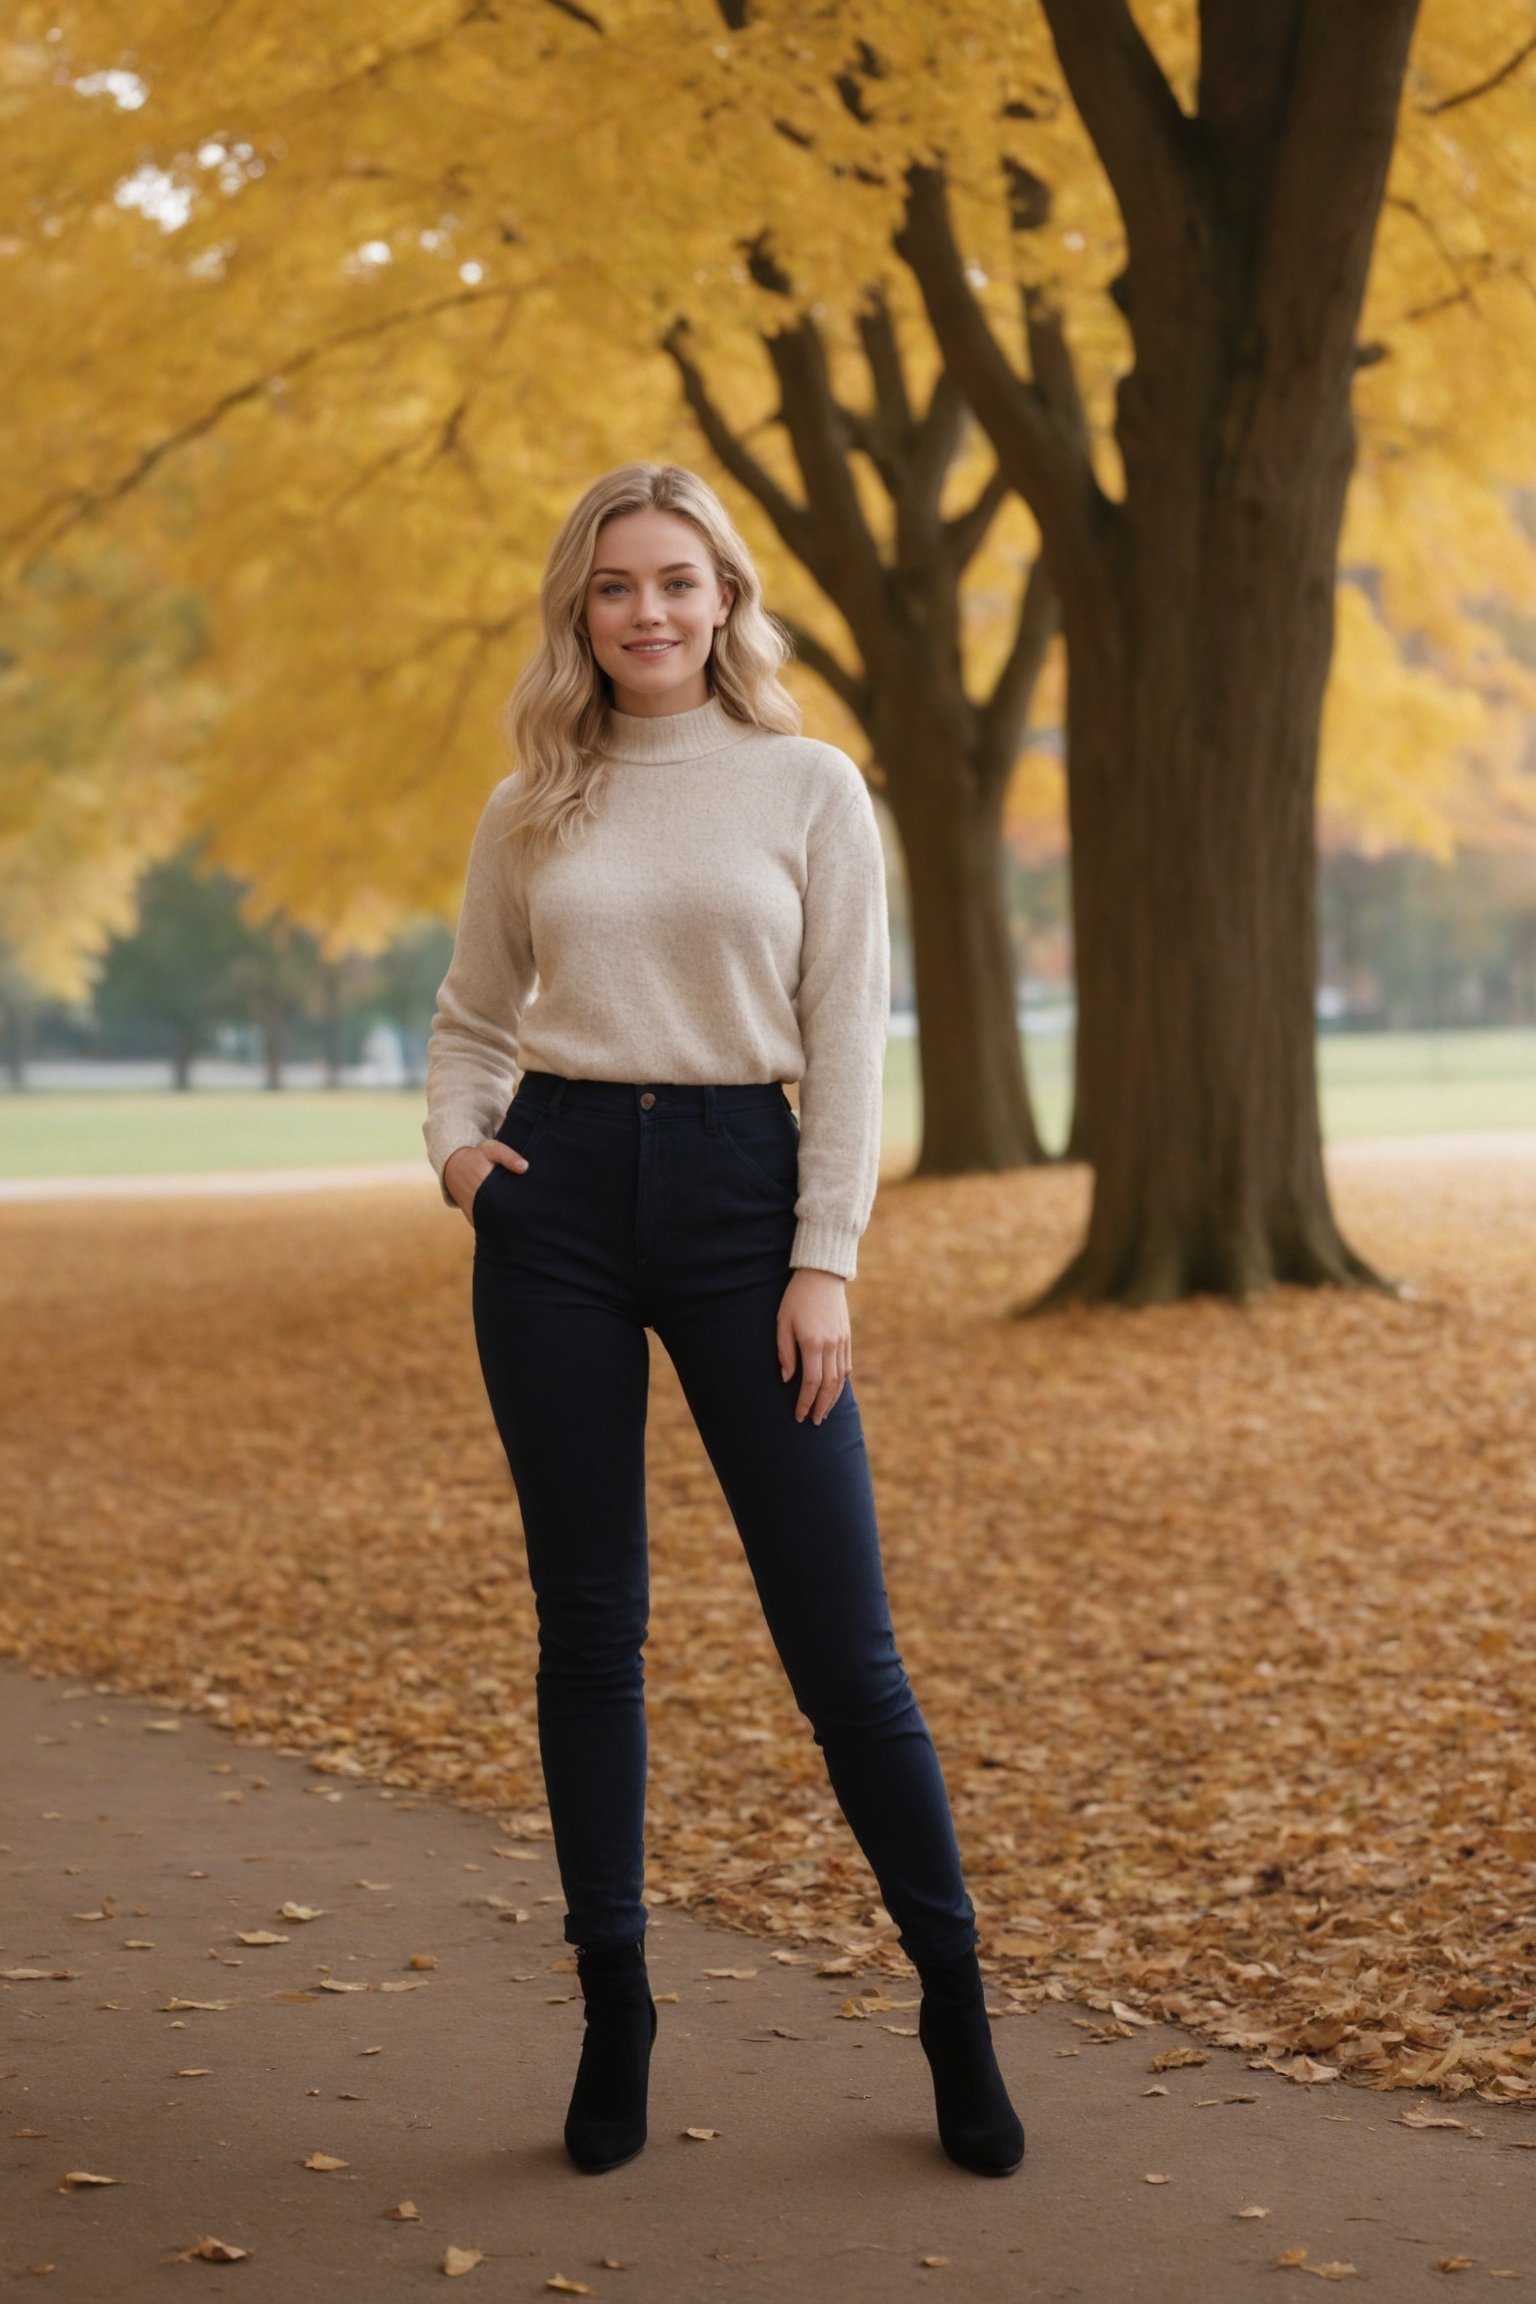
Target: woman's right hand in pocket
<point x="465" y="1171"/>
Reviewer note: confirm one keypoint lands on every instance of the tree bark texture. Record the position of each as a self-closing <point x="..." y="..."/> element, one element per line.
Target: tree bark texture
<point x="1198" y="613"/>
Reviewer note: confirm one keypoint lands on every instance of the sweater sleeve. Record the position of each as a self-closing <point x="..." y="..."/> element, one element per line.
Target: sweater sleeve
<point x="843" y="1005"/>
<point x="472" y="1050"/>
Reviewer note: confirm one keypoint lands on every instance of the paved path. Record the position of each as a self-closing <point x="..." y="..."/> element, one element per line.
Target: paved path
<point x="825" y="2180"/>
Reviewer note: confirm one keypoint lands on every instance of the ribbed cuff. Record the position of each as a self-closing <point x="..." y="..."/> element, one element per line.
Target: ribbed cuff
<point x="826" y="1246"/>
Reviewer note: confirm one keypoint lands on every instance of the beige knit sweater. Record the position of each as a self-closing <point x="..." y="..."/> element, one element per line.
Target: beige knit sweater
<point x="724" y="919"/>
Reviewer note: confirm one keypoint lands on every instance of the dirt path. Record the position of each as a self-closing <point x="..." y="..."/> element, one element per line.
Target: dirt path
<point x="825" y="2179"/>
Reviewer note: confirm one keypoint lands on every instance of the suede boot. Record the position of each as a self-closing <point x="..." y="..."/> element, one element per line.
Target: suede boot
<point x="978" y="2126"/>
<point x="605" y="2124"/>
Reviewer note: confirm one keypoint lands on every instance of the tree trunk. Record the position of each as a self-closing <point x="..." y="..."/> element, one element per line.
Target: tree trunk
<point x="18" y="1040"/>
<point x="330" y="981"/>
<point x="1194" y="774"/>
<point x="977" y="1113"/>
<point x="1198" y="614"/>
<point x="272" y="1022"/>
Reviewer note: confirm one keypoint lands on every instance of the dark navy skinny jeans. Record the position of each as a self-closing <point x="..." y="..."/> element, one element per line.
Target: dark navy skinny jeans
<point x="643" y="1206"/>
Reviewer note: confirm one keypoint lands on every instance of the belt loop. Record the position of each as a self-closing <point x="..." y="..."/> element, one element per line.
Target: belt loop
<point x="559" y="1090"/>
<point x="710" y="1124"/>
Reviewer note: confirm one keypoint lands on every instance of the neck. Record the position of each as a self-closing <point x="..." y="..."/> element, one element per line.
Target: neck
<point x="691" y="735"/>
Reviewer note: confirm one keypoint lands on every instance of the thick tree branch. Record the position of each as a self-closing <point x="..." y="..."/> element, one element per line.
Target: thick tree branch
<point x="938" y="436"/>
<point x="855" y="576"/>
<point x="792" y="521"/>
<point x="892" y="419"/>
<point x="1246" y="55"/>
<point x="964" y="534"/>
<point x="851" y="688"/>
<point x="1004" y="717"/>
<point x="1346" y="86"/>
<point x="1042" y="450"/>
<point x="1129" y="110"/>
<point x="1054" y="371"/>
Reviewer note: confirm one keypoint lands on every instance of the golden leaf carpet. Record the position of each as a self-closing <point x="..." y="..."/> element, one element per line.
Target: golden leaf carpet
<point x="1224" y="1619"/>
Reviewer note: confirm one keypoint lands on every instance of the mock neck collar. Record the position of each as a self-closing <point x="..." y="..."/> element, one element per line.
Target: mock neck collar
<point x="672" y="735"/>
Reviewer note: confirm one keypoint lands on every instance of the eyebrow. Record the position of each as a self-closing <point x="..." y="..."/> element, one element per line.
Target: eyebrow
<point x="667" y="571"/>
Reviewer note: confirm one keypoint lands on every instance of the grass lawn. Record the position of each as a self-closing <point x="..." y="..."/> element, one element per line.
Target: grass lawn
<point x="1374" y="1084"/>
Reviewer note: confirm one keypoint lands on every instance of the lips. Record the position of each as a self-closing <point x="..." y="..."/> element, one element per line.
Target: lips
<point x="648" y="647"/>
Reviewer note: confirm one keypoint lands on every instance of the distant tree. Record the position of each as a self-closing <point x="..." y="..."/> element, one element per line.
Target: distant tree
<point x="190" y="964"/>
<point x="402" y="986"/>
<point x="19" y="1003"/>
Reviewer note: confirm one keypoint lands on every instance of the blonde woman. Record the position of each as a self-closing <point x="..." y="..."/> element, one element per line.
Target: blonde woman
<point x="673" y="906"/>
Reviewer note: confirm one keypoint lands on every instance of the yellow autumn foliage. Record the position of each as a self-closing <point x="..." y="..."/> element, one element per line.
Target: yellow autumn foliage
<point x="323" y="321"/>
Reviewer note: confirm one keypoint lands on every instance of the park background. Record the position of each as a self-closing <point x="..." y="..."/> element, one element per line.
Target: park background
<point x="316" y="330"/>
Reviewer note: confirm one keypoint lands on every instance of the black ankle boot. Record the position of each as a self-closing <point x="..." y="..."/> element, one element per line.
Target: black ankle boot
<point x="978" y="2126"/>
<point x="605" y="2124"/>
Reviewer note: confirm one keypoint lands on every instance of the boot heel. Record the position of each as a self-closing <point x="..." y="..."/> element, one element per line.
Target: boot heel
<point x="978" y="2126"/>
<point x="605" y="2124"/>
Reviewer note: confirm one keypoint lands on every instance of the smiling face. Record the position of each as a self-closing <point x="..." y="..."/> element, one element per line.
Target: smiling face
<point x="653" y="607"/>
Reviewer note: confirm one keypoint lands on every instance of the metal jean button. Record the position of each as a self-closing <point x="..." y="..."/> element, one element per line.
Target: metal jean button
<point x="646" y="1101"/>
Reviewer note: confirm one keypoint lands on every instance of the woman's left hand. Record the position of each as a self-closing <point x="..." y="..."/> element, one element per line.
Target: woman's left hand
<point x="813" y="1319"/>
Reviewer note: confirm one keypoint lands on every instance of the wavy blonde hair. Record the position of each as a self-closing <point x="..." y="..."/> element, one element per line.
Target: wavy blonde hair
<point x="557" y="711"/>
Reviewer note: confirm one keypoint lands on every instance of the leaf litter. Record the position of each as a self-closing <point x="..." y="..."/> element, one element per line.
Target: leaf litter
<point x="1222" y="1617"/>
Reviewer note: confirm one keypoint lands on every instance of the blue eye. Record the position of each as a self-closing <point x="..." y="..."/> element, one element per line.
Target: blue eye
<point x="613" y="585"/>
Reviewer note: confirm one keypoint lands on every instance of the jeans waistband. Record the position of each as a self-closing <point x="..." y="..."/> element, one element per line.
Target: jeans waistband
<point x="665" y="1096"/>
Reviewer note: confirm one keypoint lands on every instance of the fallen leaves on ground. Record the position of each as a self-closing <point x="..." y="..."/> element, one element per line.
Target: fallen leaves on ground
<point x="1222" y="1618"/>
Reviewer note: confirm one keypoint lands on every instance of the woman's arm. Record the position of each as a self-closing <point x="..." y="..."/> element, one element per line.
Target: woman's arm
<point x="843" y="1004"/>
<point x="472" y="1052"/>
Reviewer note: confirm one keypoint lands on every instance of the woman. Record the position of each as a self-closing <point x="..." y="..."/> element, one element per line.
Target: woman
<point x="673" y="907"/>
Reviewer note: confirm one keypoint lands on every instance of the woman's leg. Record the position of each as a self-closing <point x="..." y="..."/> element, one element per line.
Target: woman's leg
<point x="803" y="1501"/>
<point x="567" y="1376"/>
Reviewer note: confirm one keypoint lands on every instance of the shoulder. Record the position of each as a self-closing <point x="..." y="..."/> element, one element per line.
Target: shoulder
<point x="824" y="777"/>
<point x="496" y="809"/>
<point x="491" y="854"/>
<point x="500" y="796"/>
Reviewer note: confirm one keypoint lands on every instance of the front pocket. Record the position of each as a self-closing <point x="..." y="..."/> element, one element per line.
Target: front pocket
<point x="518" y="1130"/>
<point x="520" y="1124"/>
<point x="769" y="1146"/>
